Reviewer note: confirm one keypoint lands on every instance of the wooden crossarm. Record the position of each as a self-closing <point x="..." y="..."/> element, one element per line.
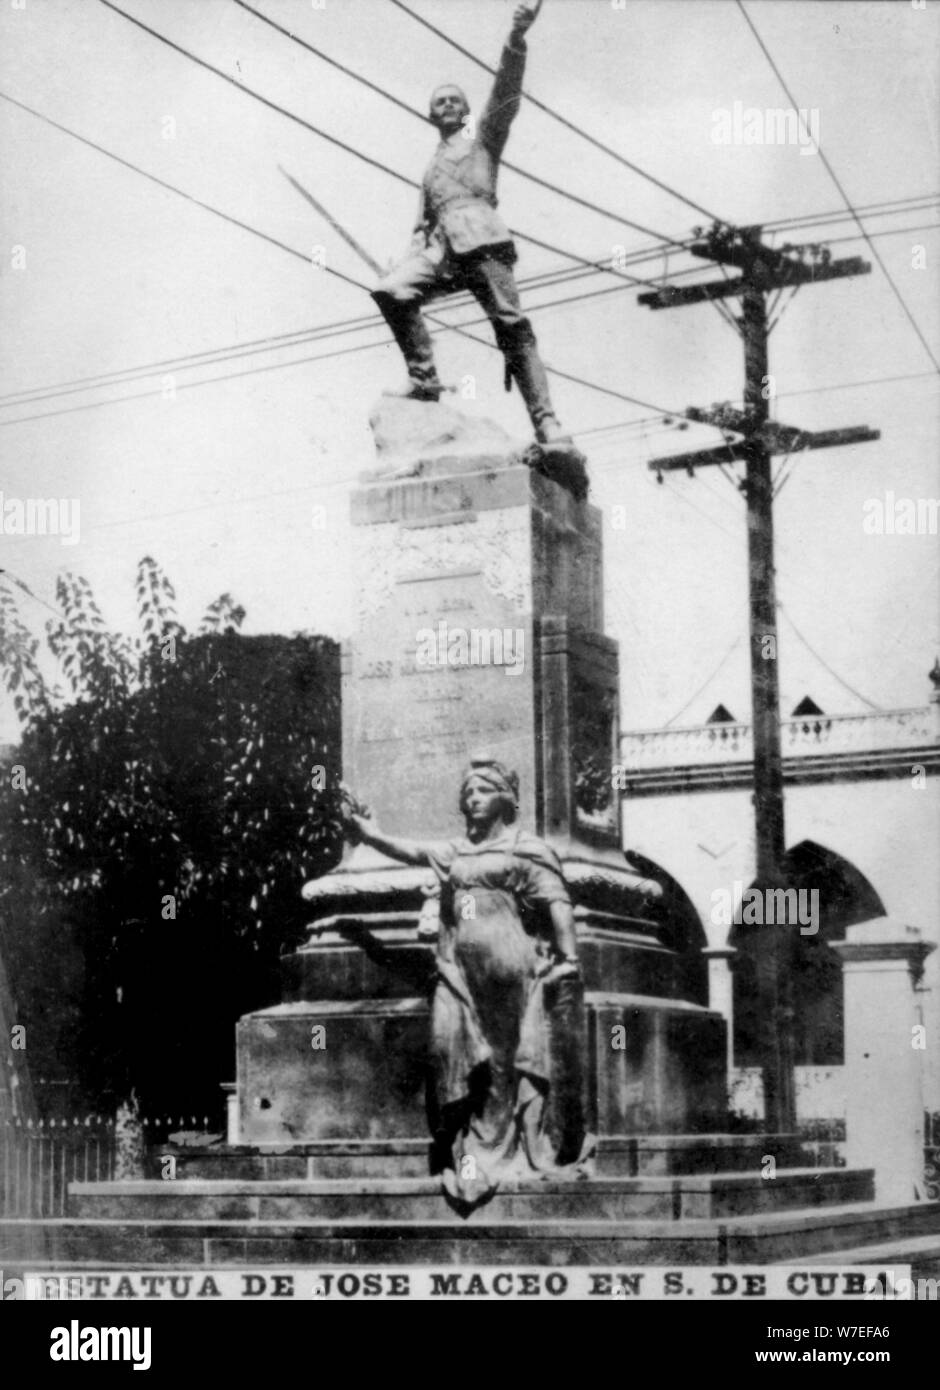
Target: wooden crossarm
<point x="779" y="439"/>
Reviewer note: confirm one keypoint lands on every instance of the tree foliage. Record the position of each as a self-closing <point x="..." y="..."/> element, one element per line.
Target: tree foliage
<point x="172" y="798"/>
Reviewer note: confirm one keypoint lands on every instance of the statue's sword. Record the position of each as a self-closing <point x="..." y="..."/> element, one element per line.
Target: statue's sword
<point x="340" y="230"/>
<point x="361" y="251"/>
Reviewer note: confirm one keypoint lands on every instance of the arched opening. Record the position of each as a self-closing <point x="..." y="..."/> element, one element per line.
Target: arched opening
<point x="843" y="896"/>
<point x="679" y="927"/>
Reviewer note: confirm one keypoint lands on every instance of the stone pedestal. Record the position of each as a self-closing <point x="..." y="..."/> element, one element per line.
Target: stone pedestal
<point x="881" y="963"/>
<point x="480" y="628"/>
<point x="480" y="625"/>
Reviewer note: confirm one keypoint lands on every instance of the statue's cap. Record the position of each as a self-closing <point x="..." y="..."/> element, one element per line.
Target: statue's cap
<point x="453" y="87"/>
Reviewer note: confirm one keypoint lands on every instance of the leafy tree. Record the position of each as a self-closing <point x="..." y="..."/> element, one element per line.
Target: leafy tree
<point x="157" y="821"/>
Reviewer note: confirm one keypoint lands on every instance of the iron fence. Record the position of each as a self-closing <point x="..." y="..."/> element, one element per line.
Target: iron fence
<point x="38" y="1159"/>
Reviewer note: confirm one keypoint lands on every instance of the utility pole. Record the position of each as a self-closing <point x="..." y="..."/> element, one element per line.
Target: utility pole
<point x="763" y="269"/>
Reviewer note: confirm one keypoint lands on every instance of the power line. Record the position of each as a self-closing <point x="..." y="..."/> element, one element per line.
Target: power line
<point x="333" y="139"/>
<point x="887" y="207"/>
<point x="707" y="682"/>
<point x="359" y="347"/>
<point x="565" y="376"/>
<point x="276" y="342"/>
<point x="642" y="420"/>
<point x="283" y="246"/>
<point x="794" y="582"/>
<point x="707" y="515"/>
<point x="188" y="361"/>
<point x="348" y="326"/>
<point x="27" y="590"/>
<point x="638" y="422"/>
<point x="824" y="663"/>
<point x="845" y="198"/>
<point x="316" y="333"/>
<point x="886" y="231"/>
<point x="249" y="91"/>
<point x="563" y="120"/>
<point x="853" y="385"/>
<point x="207" y="207"/>
<point x="413" y="111"/>
<point x="319" y="332"/>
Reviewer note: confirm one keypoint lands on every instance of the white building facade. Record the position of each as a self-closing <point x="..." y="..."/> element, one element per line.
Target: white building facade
<point x="862" y="827"/>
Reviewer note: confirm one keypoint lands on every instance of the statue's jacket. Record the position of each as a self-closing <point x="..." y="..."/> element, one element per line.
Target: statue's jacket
<point x="457" y="211"/>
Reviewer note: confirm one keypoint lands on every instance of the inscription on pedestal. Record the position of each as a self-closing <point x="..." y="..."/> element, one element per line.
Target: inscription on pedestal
<point x="441" y="671"/>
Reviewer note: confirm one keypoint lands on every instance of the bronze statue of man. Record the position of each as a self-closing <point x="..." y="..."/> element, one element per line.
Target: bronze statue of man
<point x="461" y="242"/>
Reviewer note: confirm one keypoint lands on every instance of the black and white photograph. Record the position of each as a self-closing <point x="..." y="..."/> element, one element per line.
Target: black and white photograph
<point x="470" y="661"/>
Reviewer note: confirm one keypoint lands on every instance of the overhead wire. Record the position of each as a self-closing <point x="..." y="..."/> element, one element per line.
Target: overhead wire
<point x="172" y="188"/>
<point x="825" y="664"/>
<point x="706" y="683"/>
<point x="556" y="116"/>
<point x="319" y="332"/>
<point x="20" y="584"/>
<point x="316" y="332"/>
<point x="589" y="267"/>
<point x="352" y="281"/>
<point x="567" y="376"/>
<point x="527" y="174"/>
<point x="886" y="208"/>
<point x="352" y="150"/>
<point x="885" y="231"/>
<point x="276" y="342"/>
<point x="199" y="202"/>
<point x="842" y="193"/>
<point x="343" y="352"/>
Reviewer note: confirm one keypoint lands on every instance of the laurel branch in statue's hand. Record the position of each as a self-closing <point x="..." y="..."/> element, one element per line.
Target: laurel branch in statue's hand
<point x="355" y="815"/>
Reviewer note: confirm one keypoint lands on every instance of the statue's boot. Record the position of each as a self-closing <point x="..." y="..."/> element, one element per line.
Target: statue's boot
<point x="417" y="389"/>
<point x="555" y="454"/>
<point x="525" y="365"/>
<point x="411" y="335"/>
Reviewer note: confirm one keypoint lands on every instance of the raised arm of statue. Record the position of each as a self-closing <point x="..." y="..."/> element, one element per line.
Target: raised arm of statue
<point x="363" y="829"/>
<point x="503" y="105"/>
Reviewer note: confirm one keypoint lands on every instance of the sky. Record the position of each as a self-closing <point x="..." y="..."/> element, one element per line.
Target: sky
<point x="242" y="485"/>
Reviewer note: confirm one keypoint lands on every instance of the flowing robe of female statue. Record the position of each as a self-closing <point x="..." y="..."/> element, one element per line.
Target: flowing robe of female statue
<point x="506" y="973"/>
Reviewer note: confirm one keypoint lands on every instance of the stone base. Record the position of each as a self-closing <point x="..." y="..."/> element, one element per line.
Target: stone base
<point x="356" y="1069"/>
<point x="196" y="1244"/>
<point x="615" y="1156"/>
<point x="688" y="1198"/>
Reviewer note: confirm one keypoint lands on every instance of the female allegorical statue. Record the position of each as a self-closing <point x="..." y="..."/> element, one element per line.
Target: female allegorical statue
<point x="506" y="941"/>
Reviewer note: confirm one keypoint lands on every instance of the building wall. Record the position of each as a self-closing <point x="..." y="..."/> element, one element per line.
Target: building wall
<point x="888" y="829"/>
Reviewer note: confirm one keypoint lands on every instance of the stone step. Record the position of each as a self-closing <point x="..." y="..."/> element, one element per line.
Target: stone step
<point x="922" y="1253"/>
<point x="650" y="1154"/>
<point x="690" y="1197"/>
<point x="612" y="1245"/>
<point x="388" y="1158"/>
<point x="617" y="1156"/>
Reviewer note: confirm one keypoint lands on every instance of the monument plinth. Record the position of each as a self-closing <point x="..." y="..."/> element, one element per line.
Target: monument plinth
<point x="479" y="588"/>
